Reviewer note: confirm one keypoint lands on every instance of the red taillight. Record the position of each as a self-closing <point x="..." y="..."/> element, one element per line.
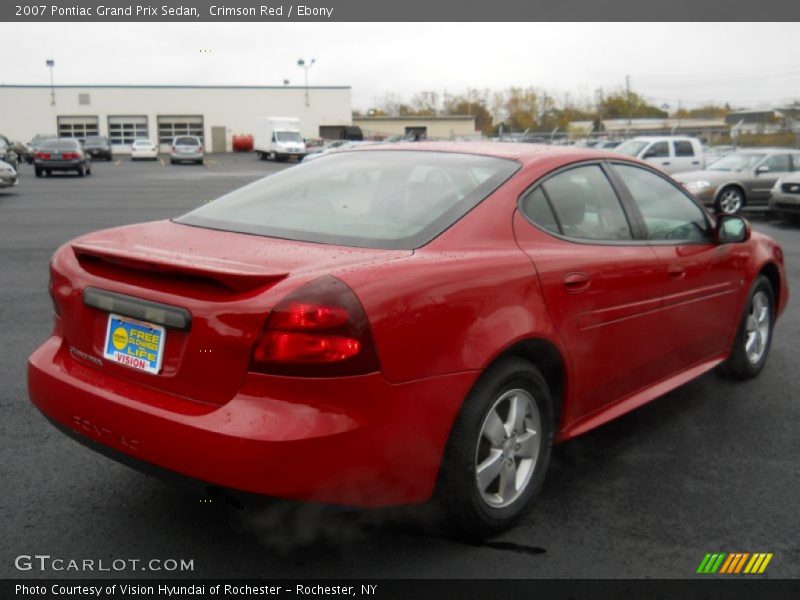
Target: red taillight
<point x="42" y="155"/>
<point x="70" y="155"/>
<point x="319" y="330"/>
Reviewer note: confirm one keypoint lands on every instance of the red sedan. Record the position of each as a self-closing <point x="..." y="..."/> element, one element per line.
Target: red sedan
<point x="390" y="324"/>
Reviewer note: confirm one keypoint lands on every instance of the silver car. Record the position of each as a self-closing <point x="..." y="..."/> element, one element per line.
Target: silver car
<point x="785" y="198"/>
<point x="187" y="148"/>
<point x="8" y="175"/>
<point x="744" y="178"/>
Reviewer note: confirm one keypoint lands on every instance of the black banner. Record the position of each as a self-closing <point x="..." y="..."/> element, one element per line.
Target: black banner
<point x="462" y="589"/>
<point x="407" y="10"/>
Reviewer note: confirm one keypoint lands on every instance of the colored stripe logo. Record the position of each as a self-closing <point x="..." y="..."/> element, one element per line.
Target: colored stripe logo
<point x="734" y="562"/>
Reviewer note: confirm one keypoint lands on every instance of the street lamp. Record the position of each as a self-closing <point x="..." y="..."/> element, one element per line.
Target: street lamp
<point x="50" y="64"/>
<point x="302" y="64"/>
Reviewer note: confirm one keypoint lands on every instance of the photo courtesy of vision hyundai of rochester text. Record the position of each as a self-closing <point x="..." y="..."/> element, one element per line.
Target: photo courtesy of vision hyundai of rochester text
<point x="400" y="323"/>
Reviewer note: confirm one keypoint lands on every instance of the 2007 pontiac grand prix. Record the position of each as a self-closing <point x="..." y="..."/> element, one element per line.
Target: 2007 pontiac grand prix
<point x="394" y="323"/>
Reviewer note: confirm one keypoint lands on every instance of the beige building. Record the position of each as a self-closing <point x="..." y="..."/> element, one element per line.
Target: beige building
<point x="160" y="112"/>
<point x="440" y="128"/>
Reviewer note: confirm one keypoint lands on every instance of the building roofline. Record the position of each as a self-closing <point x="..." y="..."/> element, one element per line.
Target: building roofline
<point x="416" y="118"/>
<point x="169" y="86"/>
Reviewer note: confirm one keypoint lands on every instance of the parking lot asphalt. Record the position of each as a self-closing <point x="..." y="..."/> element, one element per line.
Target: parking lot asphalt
<point x="713" y="466"/>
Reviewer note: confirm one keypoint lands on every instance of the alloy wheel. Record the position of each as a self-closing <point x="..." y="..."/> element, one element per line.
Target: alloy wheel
<point x="507" y="448"/>
<point x="757" y="328"/>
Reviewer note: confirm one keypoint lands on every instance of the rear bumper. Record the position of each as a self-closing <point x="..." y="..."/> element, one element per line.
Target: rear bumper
<point x="357" y="441"/>
<point x="186" y="156"/>
<point x="59" y="165"/>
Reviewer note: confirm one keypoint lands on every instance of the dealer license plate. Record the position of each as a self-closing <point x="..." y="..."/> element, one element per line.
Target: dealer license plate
<point x="135" y="344"/>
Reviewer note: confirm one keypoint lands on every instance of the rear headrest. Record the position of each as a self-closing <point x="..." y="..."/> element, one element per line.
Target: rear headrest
<point x="569" y="200"/>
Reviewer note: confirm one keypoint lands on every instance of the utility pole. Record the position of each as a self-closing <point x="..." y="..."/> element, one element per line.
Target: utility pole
<point x="50" y="64"/>
<point x="628" y="96"/>
<point x="544" y="113"/>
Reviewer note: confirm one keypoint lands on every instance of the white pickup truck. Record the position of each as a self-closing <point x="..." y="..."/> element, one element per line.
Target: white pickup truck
<point x="671" y="154"/>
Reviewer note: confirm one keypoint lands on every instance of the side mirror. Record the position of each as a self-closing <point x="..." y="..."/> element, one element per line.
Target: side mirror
<point x="731" y="229"/>
<point x="762" y="169"/>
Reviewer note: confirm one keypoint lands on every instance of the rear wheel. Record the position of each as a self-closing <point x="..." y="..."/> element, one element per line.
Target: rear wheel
<point x="82" y="170"/>
<point x="48" y="172"/>
<point x="754" y="336"/>
<point x="38" y="171"/>
<point x="499" y="449"/>
<point x="730" y="200"/>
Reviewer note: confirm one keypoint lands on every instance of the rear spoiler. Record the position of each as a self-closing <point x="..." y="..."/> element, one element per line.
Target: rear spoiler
<point x="234" y="275"/>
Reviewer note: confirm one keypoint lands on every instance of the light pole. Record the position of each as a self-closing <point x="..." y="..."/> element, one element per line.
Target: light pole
<point x="50" y="64"/>
<point x="302" y="64"/>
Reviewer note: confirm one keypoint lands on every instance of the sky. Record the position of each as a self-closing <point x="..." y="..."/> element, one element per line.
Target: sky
<point x="676" y="64"/>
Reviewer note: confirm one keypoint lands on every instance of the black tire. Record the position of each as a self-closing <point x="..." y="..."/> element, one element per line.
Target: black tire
<point x="88" y="169"/>
<point x="466" y="512"/>
<point x="37" y="171"/>
<point x="82" y="170"/>
<point x="739" y="365"/>
<point x="171" y="161"/>
<point x="48" y="172"/>
<point x="725" y="197"/>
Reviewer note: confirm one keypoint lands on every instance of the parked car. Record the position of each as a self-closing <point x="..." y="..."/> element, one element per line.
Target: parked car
<point x="741" y="179"/>
<point x="144" y="148"/>
<point x="61" y="154"/>
<point x="186" y="148"/>
<point x="8" y="175"/>
<point x="98" y="146"/>
<point x="7" y="153"/>
<point x="668" y="153"/>
<point x="785" y="197"/>
<point x="36" y="143"/>
<point x="400" y="322"/>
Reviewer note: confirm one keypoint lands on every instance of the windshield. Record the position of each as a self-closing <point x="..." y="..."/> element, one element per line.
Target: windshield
<point x="737" y="161"/>
<point x="288" y="136"/>
<point x="374" y="199"/>
<point x="631" y="147"/>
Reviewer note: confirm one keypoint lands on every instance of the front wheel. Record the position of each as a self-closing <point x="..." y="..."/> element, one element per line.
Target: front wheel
<point x="499" y="449"/>
<point x="754" y="336"/>
<point x="730" y="201"/>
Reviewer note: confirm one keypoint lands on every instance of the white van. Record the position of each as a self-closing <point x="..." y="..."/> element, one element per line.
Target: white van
<point x="278" y="138"/>
<point x="671" y="154"/>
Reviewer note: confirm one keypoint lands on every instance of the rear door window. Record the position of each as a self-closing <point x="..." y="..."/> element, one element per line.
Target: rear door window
<point x="583" y="205"/>
<point x="684" y="148"/>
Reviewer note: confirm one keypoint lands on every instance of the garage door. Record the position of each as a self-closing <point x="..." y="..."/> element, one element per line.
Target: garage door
<point x="123" y="130"/>
<point x="77" y="127"/>
<point x="171" y="125"/>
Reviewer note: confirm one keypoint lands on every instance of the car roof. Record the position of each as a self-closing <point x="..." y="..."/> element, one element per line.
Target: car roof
<point x="517" y="151"/>
<point x="769" y="150"/>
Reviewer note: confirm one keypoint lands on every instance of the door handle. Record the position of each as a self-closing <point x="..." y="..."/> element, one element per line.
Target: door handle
<point x="667" y="163"/>
<point x="576" y="282"/>
<point x="676" y="271"/>
<point x="695" y="162"/>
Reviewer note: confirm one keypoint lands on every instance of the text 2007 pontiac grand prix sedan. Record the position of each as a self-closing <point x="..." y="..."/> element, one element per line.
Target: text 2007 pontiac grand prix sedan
<point x="396" y="323"/>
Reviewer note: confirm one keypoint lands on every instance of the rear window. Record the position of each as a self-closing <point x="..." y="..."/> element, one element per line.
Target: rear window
<point x="95" y="140"/>
<point x="373" y="199"/>
<point x="61" y="144"/>
<point x="187" y="141"/>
